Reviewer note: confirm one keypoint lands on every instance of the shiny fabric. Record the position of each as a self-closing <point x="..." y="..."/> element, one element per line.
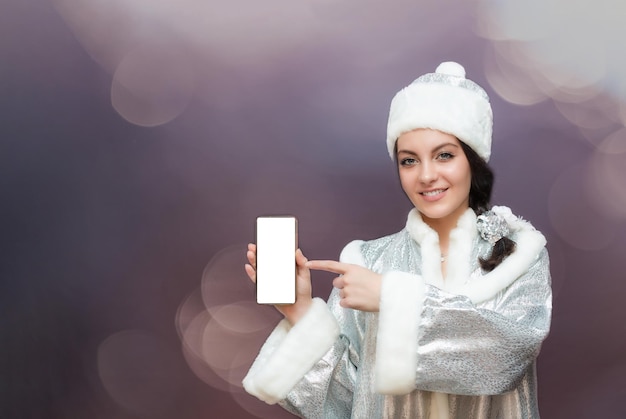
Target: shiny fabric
<point x="475" y="361"/>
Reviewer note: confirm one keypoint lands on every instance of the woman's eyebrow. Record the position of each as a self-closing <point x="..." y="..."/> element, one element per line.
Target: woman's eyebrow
<point x="412" y="153"/>
<point x="445" y="145"/>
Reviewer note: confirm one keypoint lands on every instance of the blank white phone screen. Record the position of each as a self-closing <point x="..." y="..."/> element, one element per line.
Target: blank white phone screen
<point x="276" y="241"/>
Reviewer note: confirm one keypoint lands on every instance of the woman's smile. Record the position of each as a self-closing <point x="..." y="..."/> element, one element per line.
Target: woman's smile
<point x="434" y="194"/>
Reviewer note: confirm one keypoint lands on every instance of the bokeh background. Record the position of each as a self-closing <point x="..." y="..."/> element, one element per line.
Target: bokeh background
<point x="139" y="139"/>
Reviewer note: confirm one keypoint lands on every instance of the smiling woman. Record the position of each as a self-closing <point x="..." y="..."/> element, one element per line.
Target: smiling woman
<point x="443" y="319"/>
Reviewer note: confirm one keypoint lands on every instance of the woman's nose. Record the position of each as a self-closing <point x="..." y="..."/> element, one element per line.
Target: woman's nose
<point x="428" y="173"/>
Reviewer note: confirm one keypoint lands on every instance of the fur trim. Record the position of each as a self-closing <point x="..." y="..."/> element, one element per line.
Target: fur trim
<point x="528" y="246"/>
<point x="290" y="352"/>
<point x="401" y="300"/>
<point x="352" y="253"/>
<point x="429" y="243"/>
<point x="529" y="243"/>
<point x="460" y="250"/>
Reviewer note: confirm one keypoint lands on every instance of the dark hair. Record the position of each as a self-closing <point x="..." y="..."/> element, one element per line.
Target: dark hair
<point x="482" y="181"/>
<point x="479" y="198"/>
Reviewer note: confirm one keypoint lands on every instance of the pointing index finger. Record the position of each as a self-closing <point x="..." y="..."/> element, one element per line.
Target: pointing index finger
<point x="328" y="266"/>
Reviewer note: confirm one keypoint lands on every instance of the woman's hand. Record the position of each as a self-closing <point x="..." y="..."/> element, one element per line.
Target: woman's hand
<point x="359" y="287"/>
<point x="292" y="312"/>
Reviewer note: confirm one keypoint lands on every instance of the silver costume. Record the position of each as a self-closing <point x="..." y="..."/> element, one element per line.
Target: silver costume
<point x="461" y="347"/>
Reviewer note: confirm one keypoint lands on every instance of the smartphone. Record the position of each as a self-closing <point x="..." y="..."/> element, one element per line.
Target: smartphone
<point x="276" y="244"/>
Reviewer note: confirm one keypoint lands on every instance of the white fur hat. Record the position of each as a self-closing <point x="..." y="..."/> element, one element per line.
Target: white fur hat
<point x="445" y="101"/>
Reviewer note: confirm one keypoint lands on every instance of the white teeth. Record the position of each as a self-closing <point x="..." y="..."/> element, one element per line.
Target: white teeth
<point x="432" y="193"/>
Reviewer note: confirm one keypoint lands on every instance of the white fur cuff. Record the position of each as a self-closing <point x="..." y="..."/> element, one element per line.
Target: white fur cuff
<point x="402" y="297"/>
<point x="290" y="352"/>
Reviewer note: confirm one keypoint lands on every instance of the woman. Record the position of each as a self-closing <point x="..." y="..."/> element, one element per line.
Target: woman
<point x="443" y="319"/>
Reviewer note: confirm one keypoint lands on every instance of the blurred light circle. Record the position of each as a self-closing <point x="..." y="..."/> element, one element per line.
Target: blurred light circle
<point x="201" y="370"/>
<point x="572" y="215"/>
<point x="91" y="22"/>
<point x="615" y="143"/>
<point x="622" y="111"/>
<point x="194" y="337"/>
<point x="573" y="44"/>
<point x="188" y="311"/>
<point x="508" y="20"/>
<point x="192" y="331"/>
<point x="208" y="344"/>
<point x="560" y="56"/>
<point x="595" y="112"/>
<point x="152" y="86"/>
<point x="221" y="346"/>
<point x="567" y="94"/>
<point x="244" y="317"/>
<point x="605" y="183"/>
<point x="224" y="280"/>
<point x="513" y="84"/>
<point x="140" y="373"/>
<point x="223" y="342"/>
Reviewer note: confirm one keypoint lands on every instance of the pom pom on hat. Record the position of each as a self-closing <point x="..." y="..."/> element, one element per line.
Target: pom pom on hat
<point x="445" y="101"/>
<point x="451" y="68"/>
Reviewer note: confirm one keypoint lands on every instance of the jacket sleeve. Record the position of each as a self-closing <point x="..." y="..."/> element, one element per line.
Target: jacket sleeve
<point x="289" y="352"/>
<point x="326" y="390"/>
<point x="457" y="346"/>
<point x="310" y="368"/>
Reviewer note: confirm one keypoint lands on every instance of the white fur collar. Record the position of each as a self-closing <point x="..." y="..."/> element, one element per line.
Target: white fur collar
<point x="529" y="243"/>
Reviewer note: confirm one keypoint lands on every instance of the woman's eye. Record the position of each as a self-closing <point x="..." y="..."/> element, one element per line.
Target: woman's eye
<point x="407" y="162"/>
<point x="445" y="156"/>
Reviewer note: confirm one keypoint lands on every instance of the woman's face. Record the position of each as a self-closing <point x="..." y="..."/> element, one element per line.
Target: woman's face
<point x="434" y="173"/>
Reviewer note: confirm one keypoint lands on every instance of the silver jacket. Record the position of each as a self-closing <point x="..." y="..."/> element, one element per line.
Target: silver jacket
<point x="462" y="347"/>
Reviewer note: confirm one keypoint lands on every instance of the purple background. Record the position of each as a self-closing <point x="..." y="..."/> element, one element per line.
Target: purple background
<point x="107" y="226"/>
